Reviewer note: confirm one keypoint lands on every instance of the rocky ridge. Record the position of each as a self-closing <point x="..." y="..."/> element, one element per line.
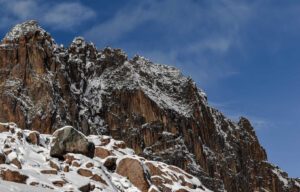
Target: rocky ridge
<point x="157" y="111"/>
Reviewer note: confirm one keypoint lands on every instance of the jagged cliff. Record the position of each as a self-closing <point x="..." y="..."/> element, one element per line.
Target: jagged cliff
<point x="157" y="111"/>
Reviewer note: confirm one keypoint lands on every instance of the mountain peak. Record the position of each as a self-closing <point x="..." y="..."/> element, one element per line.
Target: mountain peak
<point x="23" y="29"/>
<point x="158" y="112"/>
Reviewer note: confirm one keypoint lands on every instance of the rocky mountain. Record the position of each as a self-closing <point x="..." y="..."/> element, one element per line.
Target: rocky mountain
<point x="153" y="108"/>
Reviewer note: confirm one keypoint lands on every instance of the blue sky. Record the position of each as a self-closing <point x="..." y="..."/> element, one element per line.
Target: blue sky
<point x="244" y="54"/>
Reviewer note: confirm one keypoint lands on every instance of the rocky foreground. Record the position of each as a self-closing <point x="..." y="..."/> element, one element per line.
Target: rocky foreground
<point x="69" y="161"/>
<point x="159" y="113"/>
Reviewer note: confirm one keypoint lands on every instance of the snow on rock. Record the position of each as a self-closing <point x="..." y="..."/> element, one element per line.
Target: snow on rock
<point x="75" y="172"/>
<point x="161" y="83"/>
<point x="279" y="173"/>
<point x="23" y="29"/>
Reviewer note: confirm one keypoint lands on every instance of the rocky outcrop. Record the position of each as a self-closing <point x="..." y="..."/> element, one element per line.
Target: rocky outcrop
<point x="157" y="111"/>
<point x="69" y="140"/>
<point x="79" y="172"/>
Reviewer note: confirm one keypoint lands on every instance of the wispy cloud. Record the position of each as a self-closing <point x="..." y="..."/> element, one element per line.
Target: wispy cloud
<point x="68" y="15"/>
<point x="193" y="35"/>
<point x="62" y="16"/>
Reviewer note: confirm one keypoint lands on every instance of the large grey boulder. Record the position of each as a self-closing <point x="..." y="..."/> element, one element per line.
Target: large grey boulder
<point x="69" y="140"/>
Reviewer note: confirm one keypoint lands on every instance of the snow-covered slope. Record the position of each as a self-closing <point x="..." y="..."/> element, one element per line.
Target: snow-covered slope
<point x="27" y="154"/>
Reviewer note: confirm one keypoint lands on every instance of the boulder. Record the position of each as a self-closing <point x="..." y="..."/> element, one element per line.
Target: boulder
<point x="99" y="179"/>
<point x="13" y="176"/>
<point x="76" y="164"/>
<point x="110" y="163"/>
<point x="101" y="152"/>
<point x="134" y="171"/>
<point x="84" y="172"/>
<point x="86" y="188"/>
<point x="66" y="168"/>
<point x="89" y="165"/>
<point x="33" y="138"/>
<point x="54" y="165"/>
<point x="69" y="140"/>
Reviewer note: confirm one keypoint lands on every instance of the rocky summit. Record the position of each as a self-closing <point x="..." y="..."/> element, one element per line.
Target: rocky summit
<point x="179" y="143"/>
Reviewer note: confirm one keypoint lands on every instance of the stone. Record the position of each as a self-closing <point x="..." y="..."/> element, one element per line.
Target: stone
<point x="69" y="140"/>
<point x="33" y="138"/>
<point x="76" y="164"/>
<point x="98" y="178"/>
<point x="101" y="152"/>
<point x="66" y="168"/>
<point x="89" y="165"/>
<point x="84" y="172"/>
<point x="134" y="171"/>
<point x="49" y="171"/>
<point x="59" y="183"/>
<point x="85" y="188"/>
<point x="13" y="176"/>
<point x="54" y="165"/>
<point x="110" y="163"/>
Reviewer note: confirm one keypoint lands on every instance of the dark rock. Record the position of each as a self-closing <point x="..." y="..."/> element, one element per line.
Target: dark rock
<point x="33" y="138"/>
<point x="69" y="140"/>
<point x="85" y="188"/>
<point x="110" y="163"/>
<point x="2" y="158"/>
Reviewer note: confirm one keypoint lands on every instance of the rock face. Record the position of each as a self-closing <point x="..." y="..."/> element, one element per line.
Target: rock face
<point x="157" y="111"/>
<point x="69" y="140"/>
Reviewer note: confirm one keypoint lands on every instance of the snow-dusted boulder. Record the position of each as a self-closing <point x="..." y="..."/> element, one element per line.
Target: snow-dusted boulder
<point x="69" y="140"/>
<point x="134" y="170"/>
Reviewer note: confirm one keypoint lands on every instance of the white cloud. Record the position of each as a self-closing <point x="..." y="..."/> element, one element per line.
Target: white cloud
<point x="187" y="31"/>
<point x="62" y="16"/>
<point x="68" y="15"/>
<point x="125" y="20"/>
